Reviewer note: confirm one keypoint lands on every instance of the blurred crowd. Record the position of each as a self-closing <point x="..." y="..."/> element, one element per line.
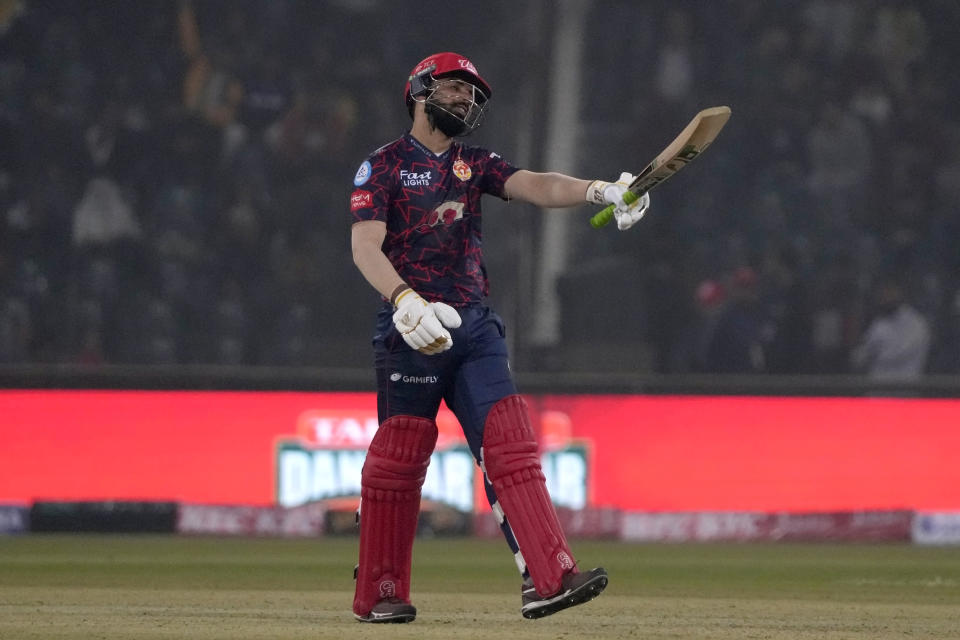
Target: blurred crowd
<point x="827" y="211"/>
<point x="174" y="177"/>
<point x="167" y="174"/>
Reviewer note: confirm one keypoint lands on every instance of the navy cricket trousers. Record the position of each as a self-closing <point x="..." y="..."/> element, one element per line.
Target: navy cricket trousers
<point x="471" y="376"/>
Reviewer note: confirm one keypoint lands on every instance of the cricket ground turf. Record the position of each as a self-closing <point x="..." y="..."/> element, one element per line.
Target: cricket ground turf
<point x="146" y="587"/>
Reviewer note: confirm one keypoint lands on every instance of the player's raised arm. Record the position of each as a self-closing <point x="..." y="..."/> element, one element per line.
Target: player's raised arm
<point x="556" y="190"/>
<point x="546" y="189"/>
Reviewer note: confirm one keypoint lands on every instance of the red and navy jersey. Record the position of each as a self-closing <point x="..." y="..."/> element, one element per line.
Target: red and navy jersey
<point x="431" y="205"/>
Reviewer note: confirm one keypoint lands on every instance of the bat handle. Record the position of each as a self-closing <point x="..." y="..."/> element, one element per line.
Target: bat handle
<point x="604" y="216"/>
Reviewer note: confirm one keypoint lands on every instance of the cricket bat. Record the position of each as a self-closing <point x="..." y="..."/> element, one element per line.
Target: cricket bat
<point x="691" y="142"/>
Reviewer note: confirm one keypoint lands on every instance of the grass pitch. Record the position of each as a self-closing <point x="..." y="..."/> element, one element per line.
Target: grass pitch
<point x="147" y="587"/>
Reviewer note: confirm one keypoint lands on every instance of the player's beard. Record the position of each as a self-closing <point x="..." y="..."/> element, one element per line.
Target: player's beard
<point x="448" y="123"/>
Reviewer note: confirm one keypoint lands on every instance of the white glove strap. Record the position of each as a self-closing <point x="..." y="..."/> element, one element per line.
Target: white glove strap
<point x="401" y="293"/>
<point x="595" y="191"/>
<point x="397" y="291"/>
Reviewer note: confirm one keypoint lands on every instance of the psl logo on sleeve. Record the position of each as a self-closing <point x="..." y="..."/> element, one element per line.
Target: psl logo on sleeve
<point x="363" y="174"/>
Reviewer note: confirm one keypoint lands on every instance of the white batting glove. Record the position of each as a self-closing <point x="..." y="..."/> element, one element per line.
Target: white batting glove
<point x="626" y="215"/>
<point x="423" y="324"/>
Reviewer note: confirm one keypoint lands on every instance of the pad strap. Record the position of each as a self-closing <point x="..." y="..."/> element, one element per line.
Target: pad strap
<point x="510" y="458"/>
<point x="392" y="476"/>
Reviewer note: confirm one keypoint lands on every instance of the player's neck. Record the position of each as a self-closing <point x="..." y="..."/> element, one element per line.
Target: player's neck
<point x="433" y="139"/>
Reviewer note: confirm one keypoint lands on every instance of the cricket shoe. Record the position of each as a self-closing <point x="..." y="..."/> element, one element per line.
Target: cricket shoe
<point x="577" y="588"/>
<point x="390" y="610"/>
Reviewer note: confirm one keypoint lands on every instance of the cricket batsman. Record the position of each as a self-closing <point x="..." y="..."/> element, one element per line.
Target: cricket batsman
<point x="416" y="238"/>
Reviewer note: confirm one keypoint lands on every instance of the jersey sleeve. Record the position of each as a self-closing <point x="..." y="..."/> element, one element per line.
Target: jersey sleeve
<point x="372" y="187"/>
<point x="495" y="173"/>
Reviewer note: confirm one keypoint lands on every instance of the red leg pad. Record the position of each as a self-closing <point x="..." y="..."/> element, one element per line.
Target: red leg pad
<point x="393" y="473"/>
<point x="512" y="464"/>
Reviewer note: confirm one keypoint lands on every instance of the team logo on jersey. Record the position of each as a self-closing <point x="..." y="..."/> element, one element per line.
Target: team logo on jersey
<point x="361" y="200"/>
<point x="462" y="170"/>
<point x="363" y="174"/>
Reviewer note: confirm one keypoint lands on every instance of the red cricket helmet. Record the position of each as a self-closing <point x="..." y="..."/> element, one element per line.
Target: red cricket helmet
<point x="444" y="65"/>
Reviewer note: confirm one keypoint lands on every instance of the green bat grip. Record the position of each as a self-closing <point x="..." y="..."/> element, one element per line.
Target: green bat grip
<point x="603" y="218"/>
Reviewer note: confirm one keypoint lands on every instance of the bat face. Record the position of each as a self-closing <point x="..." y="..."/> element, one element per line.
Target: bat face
<point x="660" y="172"/>
<point x="691" y="142"/>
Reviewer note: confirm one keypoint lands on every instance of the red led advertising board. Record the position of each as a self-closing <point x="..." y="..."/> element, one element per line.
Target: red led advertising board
<point x="644" y="453"/>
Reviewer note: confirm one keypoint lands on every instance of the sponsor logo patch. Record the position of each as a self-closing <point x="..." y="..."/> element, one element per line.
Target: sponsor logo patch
<point x="462" y="170"/>
<point x="423" y="65"/>
<point x="414" y="179"/>
<point x="420" y="379"/>
<point x="363" y="174"/>
<point x="396" y="376"/>
<point x="361" y="200"/>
